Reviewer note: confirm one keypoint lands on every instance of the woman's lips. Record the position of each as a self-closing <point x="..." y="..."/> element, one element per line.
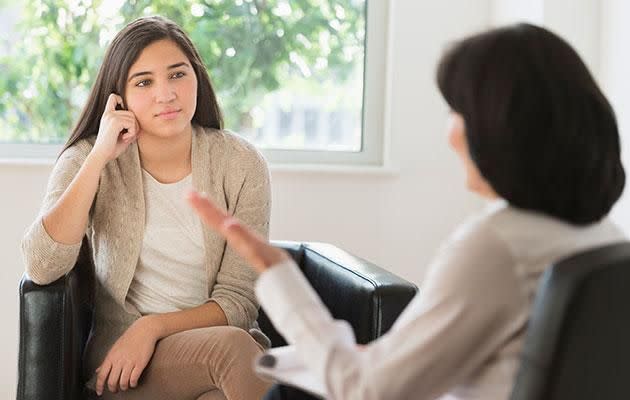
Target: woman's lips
<point x="171" y="114"/>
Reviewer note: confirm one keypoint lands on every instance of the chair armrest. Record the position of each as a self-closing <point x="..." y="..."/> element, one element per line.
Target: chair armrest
<point x="367" y="296"/>
<point x="55" y="320"/>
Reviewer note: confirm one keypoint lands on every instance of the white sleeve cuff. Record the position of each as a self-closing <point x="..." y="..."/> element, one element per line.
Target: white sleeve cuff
<point x="287" y="297"/>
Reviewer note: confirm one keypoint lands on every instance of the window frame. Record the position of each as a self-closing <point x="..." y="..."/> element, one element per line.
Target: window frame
<point x="375" y="91"/>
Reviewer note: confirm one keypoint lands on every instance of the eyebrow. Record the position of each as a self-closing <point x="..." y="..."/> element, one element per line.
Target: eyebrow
<point x="179" y="64"/>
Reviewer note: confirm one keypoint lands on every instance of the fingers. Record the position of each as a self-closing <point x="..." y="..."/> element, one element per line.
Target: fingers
<point x="112" y="101"/>
<point x="209" y="213"/>
<point x="124" y="377"/>
<point x="239" y="237"/>
<point x="135" y="376"/>
<point x="102" y="373"/>
<point x="118" y="128"/>
<point x="137" y="371"/>
<point x="243" y="240"/>
<point x="114" y="377"/>
<point x="129" y="126"/>
<point x="126" y="113"/>
<point x="222" y="222"/>
<point x="111" y="108"/>
<point x="126" y="122"/>
<point x="126" y="128"/>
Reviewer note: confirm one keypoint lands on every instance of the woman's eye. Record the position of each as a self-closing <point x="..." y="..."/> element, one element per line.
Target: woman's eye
<point x="177" y="75"/>
<point x="142" y="83"/>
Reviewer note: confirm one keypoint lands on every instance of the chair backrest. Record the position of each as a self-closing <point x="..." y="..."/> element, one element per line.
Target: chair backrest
<point x="367" y="296"/>
<point x="577" y="344"/>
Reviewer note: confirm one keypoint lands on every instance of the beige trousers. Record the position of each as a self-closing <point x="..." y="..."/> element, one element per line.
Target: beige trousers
<point x="201" y="364"/>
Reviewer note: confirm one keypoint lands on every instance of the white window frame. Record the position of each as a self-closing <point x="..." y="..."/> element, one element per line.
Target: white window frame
<point x="375" y="94"/>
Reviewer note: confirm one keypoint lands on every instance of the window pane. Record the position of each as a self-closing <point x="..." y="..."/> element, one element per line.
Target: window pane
<point x="289" y="74"/>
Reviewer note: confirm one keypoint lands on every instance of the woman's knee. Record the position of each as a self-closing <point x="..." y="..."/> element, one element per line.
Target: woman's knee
<point x="232" y="338"/>
<point x="212" y="347"/>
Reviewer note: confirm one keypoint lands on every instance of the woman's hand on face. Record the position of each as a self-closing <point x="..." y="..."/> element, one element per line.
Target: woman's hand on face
<point x="111" y="141"/>
<point x="254" y="249"/>
<point x="127" y="358"/>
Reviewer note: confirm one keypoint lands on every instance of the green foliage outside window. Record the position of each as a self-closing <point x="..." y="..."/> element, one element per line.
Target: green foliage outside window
<point x="250" y="48"/>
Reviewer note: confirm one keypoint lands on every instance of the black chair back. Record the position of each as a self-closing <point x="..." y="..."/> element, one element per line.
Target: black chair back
<point x="577" y="344"/>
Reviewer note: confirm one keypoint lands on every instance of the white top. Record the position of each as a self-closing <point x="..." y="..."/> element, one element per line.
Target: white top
<point x="171" y="274"/>
<point x="461" y="336"/>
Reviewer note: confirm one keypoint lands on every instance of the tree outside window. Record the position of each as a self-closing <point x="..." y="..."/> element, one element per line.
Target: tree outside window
<point x="277" y="65"/>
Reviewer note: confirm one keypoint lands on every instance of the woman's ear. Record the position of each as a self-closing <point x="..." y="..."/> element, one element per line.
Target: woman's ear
<point x="456" y="133"/>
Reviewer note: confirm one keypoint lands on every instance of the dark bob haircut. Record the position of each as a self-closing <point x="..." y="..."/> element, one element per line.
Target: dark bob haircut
<point x="538" y="127"/>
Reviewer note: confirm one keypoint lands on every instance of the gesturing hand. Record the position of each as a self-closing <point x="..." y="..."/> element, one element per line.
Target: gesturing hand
<point x="254" y="249"/>
<point x="127" y="358"/>
<point x="112" y="140"/>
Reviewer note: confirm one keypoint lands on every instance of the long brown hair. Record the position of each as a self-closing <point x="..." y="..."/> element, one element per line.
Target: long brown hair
<point x="120" y="56"/>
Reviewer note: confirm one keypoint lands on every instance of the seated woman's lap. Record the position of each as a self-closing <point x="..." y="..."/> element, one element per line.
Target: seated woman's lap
<point x="194" y="363"/>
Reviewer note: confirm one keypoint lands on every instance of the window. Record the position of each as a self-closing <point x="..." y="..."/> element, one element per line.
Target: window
<point x="289" y="74"/>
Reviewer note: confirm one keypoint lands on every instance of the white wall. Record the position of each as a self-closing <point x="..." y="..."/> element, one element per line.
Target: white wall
<point x="396" y="221"/>
<point x="577" y="21"/>
<point x="614" y="67"/>
<point x="511" y="11"/>
<point x="22" y="190"/>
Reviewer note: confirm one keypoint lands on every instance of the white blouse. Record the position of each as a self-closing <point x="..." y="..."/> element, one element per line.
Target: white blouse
<point x="171" y="273"/>
<point x="461" y="336"/>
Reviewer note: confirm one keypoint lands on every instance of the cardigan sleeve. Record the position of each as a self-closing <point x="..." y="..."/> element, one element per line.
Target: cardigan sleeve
<point x="45" y="259"/>
<point x="233" y="290"/>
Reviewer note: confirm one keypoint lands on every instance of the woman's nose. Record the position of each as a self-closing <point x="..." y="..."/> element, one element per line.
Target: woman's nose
<point x="164" y="93"/>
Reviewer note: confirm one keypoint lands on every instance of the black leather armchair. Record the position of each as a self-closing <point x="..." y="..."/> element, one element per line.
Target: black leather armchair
<point x="55" y="319"/>
<point x="577" y="344"/>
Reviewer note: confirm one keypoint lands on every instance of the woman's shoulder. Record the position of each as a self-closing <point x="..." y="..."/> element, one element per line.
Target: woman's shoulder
<point x="79" y="150"/>
<point x="477" y="243"/>
<point x="482" y="225"/>
<point x="474" y="261"/>
<point x="226" y="137"/>
<point x="223" y="142"/>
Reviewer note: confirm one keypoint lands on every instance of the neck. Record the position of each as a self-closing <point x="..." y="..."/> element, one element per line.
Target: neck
<point x="166" y="159"/>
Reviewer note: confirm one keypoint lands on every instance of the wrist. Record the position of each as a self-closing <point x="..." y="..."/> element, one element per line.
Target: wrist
<point x="153" y="325"/>
<point x="97" y="159"/>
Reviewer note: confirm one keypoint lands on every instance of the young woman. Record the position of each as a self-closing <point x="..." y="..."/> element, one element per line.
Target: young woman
<point x="538" y="139"/>
<point x="175" y="310"/>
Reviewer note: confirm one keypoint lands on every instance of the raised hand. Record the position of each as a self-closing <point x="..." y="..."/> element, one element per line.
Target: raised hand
<point x="253" y="248"/>
<point x="117" y="130"/>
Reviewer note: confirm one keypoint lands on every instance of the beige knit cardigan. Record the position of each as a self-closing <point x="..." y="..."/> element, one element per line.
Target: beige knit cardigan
<point x="226" y="167"/>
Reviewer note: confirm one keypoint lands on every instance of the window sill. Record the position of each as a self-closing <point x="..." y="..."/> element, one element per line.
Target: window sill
<point x="330" y="169"/>
<point x="335" y="169"/>
<point x="26" y="162"/>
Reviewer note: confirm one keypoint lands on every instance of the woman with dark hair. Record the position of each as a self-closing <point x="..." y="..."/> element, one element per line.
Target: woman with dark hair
<point x="175" y="310"/>
<point x="539" y="140"/>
